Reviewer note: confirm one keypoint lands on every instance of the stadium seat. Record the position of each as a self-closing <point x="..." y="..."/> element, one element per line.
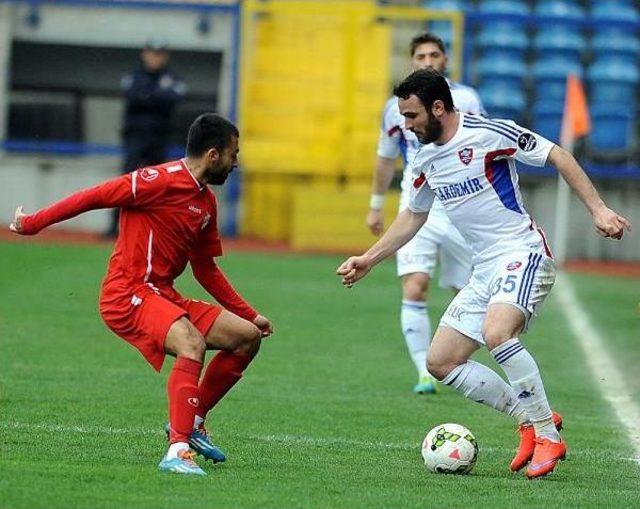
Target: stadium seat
<point x="502" y="38"/>
<point x="443" y="29"/>
<point x="550" y="76"/>
<point x="612" y="43"/>
<point x="605" y="12"/>
<point x="559" y="12"/>
<point x="509" y="71"/>
<point x="612" y="128"/>
<point x="510" y="12"/>
<point x="547" y="119"/>
<point x="561" y="41"/>
<point x="613" y="80"/>
<point x="502" y="100"/>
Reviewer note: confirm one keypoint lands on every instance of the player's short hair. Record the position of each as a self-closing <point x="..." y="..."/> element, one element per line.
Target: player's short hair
<point x="428" y="85"/>
<point x="425" y="38"/>
<point x="210" y="131"/>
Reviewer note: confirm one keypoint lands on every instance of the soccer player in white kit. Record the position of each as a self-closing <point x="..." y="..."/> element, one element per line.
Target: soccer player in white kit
<point x="469" y="163"/>
<point x="416" y="260"/>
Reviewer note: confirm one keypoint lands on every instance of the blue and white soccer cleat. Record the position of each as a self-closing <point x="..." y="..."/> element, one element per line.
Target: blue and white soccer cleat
<point x="182" y="464"/>
<point x="426" y="385"/>
<point x="200" y="442"/>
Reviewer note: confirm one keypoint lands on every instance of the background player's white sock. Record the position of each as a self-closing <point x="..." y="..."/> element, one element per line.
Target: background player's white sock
<point x="197" y="421"/>
<point x="416" y="328"/>
<point x="483" y="385"/>
<point x="524" y="375"/>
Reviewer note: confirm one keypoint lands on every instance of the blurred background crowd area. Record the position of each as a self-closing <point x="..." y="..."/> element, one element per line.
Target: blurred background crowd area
<point x="307" y="80"/>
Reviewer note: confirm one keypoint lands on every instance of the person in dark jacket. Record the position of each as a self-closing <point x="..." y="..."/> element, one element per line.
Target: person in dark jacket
<point x="151" y="92"/>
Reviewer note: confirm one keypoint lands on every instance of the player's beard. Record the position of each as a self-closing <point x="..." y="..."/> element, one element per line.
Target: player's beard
<point x="433" y="131"/>
<point x="219" y="176"/>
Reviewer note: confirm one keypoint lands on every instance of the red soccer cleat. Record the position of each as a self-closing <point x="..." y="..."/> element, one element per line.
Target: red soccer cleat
<point x="545" y="457"/>
<point x="528" y="443"/>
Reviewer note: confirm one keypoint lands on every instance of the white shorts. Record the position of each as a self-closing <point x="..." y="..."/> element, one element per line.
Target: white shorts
<point x="437" y="237"/>
<point x="522" y="279"/>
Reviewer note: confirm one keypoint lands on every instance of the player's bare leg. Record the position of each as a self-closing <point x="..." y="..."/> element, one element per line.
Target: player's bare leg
<point x="502" y="325"/>
<point x="186" y="343"/>
<point x="416" y="327"/>
<point x="448" y="361"/>
<point x="239" y="342"/>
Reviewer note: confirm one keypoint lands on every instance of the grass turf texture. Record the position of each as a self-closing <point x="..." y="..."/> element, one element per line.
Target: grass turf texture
<point x="324" y="418"/>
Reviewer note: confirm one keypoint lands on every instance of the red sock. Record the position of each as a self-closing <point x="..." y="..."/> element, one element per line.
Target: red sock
<point x="182" y="389"/>
<point x="222" y="373"/>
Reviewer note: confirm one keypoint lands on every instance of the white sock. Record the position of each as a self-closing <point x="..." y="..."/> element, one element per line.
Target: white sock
<point x="416" y="328"/>
<point x="524" y="376"/>
<point x="197" y="421"/>
<point x="174" y="448"/>
<point x="483" y="385"/>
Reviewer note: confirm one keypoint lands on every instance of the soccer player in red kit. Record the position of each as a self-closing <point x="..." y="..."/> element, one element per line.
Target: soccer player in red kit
<point x="168" y="219"/>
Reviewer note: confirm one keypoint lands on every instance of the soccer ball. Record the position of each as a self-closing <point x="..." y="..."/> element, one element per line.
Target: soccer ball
<point x="450" y="449"/>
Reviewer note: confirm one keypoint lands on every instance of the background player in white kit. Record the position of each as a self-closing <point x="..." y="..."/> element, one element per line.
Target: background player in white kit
<point x="417" y="259"/>
<point x="468" y="162"/>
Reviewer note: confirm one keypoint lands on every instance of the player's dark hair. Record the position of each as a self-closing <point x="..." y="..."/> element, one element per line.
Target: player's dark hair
<point x="428" y="85"/>
<point x="425" y="38"/>
<point x="210" y="131"/>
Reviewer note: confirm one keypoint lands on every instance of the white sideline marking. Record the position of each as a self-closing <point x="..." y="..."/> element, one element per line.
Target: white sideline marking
<point x="611" y="383"/>
<point x="281" y="439"/>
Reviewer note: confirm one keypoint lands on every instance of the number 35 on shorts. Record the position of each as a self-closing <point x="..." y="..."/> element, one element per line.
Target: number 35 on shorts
<point x="525" y="280"/>
<point x="506" y="284"/>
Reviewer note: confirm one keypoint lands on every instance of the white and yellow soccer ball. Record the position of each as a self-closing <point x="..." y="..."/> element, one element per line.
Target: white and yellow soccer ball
<point x="450" y="449"/>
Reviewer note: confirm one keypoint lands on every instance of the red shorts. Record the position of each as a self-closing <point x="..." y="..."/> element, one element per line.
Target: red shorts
<point x="143" y="316"/>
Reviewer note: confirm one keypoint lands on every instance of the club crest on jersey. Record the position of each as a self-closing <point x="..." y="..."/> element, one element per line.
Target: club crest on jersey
<point x="149" y="174"/>
<point x="419" y="180"/>
<point x="465" y="155"/>
<point x="514" y="265"/>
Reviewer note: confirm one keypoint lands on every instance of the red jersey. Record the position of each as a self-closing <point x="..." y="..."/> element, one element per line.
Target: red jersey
<point x="168" y="219"/>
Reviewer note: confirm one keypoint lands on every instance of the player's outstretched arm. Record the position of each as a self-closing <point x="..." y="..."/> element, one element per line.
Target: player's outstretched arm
<point x="113" y="193"/>
<point x="403" y="228"/>
<point x="382" y="177"/>
<point x="607" y="222"/>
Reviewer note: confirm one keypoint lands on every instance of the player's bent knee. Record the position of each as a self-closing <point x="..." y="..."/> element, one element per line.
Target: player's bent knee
<point x="184" y="340"/>
<point x="250" y="341"/>
<point x="495" y="336"/>
<point x="415" y="286"/>
<point x="439" y="370"/>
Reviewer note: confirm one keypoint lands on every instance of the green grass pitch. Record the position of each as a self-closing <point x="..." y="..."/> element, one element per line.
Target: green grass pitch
<point x="324" y="418"/>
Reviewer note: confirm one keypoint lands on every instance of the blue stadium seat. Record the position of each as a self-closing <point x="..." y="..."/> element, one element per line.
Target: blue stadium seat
<point x="550" y="76"/>
<point x="611" y="43"/>
<point x="510" y="71"/>
<point x="447" y="5"/>
<point x="547" y="119"/>
<point x="560" y="12"/>
<point x="507" y="12"/>
<point x="613" y="80"/>
<point x="444" y="29"/>
<point x="501" y="100"/>
<point x="561" y="41"/>
<point x="611" y="128"/>
<point x="502" y="38"/>
<point x="604" y="12"/>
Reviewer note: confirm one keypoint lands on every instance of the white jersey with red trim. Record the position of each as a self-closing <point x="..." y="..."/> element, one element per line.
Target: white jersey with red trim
<point x="474" y="176"/>
<point x="395" y="140"/>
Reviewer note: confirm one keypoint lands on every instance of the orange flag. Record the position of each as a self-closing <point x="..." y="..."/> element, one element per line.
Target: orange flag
<point x="575" y="119"/>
